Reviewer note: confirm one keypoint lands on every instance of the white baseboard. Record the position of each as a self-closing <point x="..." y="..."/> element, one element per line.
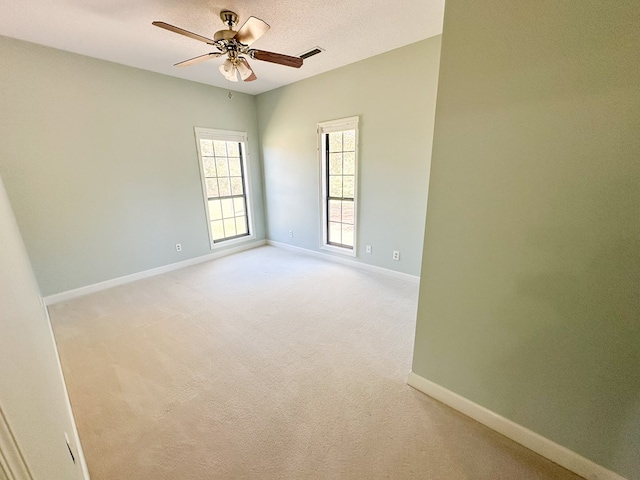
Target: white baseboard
<point x="533" y="441"/>
<point x="114" y="282"/>
<point x="76" y="437"/>
<point x="346" y="261"/>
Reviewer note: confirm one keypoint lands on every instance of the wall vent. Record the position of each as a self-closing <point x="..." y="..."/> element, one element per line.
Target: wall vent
<point x="311" y="53"/>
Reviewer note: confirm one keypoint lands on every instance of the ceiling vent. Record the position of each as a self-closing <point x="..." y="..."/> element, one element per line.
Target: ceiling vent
<point x="311" y="53"/>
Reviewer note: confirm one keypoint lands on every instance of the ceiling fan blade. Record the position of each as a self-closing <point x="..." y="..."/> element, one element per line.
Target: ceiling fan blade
<point x="198" y="59"/>
<point x="251" y="30"/>
<point x="263" y="55"/>
<point x="247" y="72"/>
<point x="184" y="32"/>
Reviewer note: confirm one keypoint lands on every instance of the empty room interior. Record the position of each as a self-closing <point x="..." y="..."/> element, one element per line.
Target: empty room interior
<point x="334" y="240"/>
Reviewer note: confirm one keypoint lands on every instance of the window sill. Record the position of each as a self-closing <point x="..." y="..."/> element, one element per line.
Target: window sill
<point x="235" y="241"/>
<point x="342" y="251"/>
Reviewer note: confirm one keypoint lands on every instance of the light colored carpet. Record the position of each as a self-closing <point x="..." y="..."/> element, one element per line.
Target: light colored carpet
<point x="265" y="365"/>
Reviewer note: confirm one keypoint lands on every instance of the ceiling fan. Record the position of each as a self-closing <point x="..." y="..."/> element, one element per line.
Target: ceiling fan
<point x="235" y="45"/>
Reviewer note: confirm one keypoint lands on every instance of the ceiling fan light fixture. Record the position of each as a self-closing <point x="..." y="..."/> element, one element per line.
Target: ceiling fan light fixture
<point x="243" y="69"/>
<point x="229" y="70"/>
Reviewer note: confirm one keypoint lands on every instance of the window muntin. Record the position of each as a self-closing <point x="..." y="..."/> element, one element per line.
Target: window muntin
<point x="223" y="169"/>
<point x="338" y="146"/>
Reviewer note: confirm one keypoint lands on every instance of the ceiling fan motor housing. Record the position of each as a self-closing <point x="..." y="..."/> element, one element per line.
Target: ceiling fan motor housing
<point x="224" y="35"/>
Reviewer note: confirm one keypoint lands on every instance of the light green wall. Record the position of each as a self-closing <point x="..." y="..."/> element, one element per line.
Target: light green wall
<point x="529" y="299"/>
<point x="100" y="164"/>
<point x="32" y="395"/>
<point x="394" y="95"/>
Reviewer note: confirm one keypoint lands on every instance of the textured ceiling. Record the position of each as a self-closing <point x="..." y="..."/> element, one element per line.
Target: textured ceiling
<point x="120" y="31"/>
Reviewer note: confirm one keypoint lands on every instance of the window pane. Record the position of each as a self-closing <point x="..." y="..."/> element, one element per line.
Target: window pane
<point x="234" y="167"/>
<point x="335" y="164"/>
<point x="347" y="212"/>
<point x="212" y="187"/>
<point x="241" y="225"/>
<point x="215" y="210"/>
<point x="349" y="140"/>
<point x="339" y="179"/>
<point x="335" y="211"/>
<point x="349" y="163"/>
<point x="224" y="180"/>
<point x="335" y="232"/>
<point x="233" y="149"/>
<point x="217" y="230"/>
<point x="347" y="186"/>
<point x="220" y="148"/>
<point x="229" y="227"/>
<point x="335" y="186"/>
<point x="238" y="206"/>
<point x="209" y="165"/>
<point x="222" y="167"/>
<point x="347" y="235"/>
<point x="236" y="186"/>
<point x="225" y="187"/>
<point x="335" y="142"/>
<point x="206" y="147"/>
<point x="227" y="207"/>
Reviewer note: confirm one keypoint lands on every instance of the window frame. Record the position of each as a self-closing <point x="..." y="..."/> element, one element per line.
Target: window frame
<point x="324" y="128"/>
<point x="242" y="139"/>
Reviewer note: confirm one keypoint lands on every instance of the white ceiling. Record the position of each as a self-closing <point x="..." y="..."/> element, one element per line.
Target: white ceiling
<point x="120" y="31"/>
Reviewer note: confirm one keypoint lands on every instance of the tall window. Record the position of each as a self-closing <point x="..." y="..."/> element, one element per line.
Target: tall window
<point x="223" y="168"/>
<point x="339" y="157"/>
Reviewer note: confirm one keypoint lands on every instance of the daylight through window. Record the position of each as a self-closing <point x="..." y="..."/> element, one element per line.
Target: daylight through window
<point x="339" y="140"/>
<point x="224" y="182"/>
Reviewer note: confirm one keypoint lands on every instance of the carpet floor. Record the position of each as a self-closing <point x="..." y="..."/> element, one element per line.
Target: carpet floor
<point x="265" y="364"/>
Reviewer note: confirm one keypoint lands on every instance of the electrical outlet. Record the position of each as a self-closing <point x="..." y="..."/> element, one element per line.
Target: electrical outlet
<point x="368" y="249"/>
<point x="291" y="233"/>
<point x="396" y="255"/>
<point x="178" y="247"/>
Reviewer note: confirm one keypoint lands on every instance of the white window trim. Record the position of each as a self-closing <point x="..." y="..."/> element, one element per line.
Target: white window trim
<point x="230" y="136"/>
<point x="350" y="123"/>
